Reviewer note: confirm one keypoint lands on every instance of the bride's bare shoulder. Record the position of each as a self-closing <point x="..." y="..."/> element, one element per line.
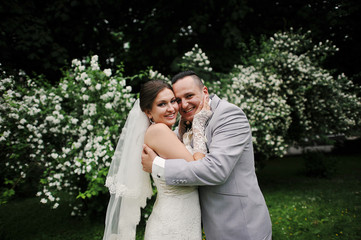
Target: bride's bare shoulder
<point x="165" y="142"/>
<point x="154" y="128"/>
<point x="158" y="129"/>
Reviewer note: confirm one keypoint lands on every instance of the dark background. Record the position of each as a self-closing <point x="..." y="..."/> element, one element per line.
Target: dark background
<point x="42" y="37"/>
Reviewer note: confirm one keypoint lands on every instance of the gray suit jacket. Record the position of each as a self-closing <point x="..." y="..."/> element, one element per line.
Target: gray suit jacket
<point x="233" y="207"/>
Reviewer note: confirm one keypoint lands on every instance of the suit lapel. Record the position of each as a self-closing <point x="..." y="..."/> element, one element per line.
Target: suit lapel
<point x="214" y="104"/>
<point x="215" y="100"/>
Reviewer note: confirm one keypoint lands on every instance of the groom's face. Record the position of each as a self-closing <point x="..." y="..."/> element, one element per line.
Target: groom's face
<point x="190" y="96"/>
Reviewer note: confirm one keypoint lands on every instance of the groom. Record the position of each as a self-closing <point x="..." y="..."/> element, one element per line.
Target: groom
<point x="232" y="203"/>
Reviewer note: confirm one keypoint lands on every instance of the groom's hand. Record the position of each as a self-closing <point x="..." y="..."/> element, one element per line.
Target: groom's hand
<point x="148" y="156"/>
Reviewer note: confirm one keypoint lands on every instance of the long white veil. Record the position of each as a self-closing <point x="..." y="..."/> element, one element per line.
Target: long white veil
<point x="128" y="184"/>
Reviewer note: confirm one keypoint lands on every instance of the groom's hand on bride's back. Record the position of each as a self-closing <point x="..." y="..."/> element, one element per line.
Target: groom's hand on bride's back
<point x="148" y="156"/>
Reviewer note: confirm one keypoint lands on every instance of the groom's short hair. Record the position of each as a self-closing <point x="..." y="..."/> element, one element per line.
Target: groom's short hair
<point x="191" y="73"/>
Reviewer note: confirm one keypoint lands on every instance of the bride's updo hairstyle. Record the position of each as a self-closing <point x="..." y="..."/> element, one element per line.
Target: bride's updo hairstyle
<point x="149" y="91"/>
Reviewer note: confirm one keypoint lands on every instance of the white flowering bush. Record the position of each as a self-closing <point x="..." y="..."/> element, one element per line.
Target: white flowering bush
<point x="195" y="59"/>
<point x="259" y="96"/>
<point x="321" y="104"/>
<point x="286" y="94"/>
<point x="154" y="75"/>
<point x="69" y="131"/>
<point x="21" y="138"/>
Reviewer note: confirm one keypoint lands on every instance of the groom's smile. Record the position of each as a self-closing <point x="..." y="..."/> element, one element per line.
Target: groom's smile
<point x="189" y="95"/>
<point x="187" y="111"/>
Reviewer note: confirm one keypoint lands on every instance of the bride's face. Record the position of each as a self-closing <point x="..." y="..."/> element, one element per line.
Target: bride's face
<point x="164" y="108"/>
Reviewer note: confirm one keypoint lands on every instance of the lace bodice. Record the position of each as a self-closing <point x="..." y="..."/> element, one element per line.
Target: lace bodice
<point x="176" y="213"/>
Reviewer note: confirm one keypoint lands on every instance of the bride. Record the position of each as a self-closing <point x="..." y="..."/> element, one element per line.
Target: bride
<point x="176" y="213"/>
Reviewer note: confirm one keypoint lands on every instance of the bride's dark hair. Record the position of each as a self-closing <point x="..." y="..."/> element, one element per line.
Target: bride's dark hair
<point x="149" y="92"/>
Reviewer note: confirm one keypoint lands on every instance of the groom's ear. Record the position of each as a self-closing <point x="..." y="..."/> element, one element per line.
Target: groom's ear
<point x="205" y="90"/>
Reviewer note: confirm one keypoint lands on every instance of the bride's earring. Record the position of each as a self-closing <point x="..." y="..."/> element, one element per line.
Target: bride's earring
<point x="151" y="121"/>
<point x="149" y="115"/>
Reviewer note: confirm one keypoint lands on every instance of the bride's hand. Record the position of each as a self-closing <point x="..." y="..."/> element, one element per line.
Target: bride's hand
<point x="204" y="104"/>
<point x="198" y="126"/>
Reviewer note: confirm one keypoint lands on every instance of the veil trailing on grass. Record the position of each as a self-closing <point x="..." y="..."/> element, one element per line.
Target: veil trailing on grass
<point x="128" y="184"/>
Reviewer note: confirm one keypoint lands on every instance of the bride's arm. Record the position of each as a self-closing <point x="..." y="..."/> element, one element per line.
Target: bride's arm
<point x="165" y="143"/>
<point x="198" y="127"/>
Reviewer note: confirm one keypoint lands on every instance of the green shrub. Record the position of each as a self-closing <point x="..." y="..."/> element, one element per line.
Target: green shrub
<point x="317" y="164"/>
<point x="288" y="97"/>
<point x="69" y="131"/>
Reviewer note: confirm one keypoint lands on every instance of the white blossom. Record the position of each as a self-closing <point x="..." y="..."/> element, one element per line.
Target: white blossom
<point x="75" y="62"/>
<point x="84" y="76"/>
<point x="108" y="106"/>
<point x="88" y="81"/>
<point x="108" y="72"/>
<point x="74" y="121"/>
<point x="77" y="145"/>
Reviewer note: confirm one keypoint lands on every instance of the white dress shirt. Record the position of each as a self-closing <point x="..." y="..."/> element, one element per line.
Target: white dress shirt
<point x="158" y="168"/>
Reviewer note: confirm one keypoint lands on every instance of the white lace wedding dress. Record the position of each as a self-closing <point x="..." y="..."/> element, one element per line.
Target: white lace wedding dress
<point x="176" y="214"/>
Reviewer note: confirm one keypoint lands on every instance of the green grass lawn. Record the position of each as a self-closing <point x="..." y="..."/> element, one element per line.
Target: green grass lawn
<point x="312" y="208"/>
<point x="301" y="207"/>
<point x="30" y="220"/>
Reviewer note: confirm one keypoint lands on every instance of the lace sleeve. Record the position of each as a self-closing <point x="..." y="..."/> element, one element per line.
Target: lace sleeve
<point x="198" y="127"/>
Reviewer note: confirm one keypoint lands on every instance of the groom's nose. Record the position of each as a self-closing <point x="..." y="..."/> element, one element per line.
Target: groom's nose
<point x="184" y="104"/>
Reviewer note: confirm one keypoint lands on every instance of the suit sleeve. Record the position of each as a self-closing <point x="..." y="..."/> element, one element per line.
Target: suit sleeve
<point x="231" y="136"/>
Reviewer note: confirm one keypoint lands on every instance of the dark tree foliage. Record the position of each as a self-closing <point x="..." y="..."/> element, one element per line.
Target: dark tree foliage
<point x="42" y="37"/>
<point x="335" y="20"/>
